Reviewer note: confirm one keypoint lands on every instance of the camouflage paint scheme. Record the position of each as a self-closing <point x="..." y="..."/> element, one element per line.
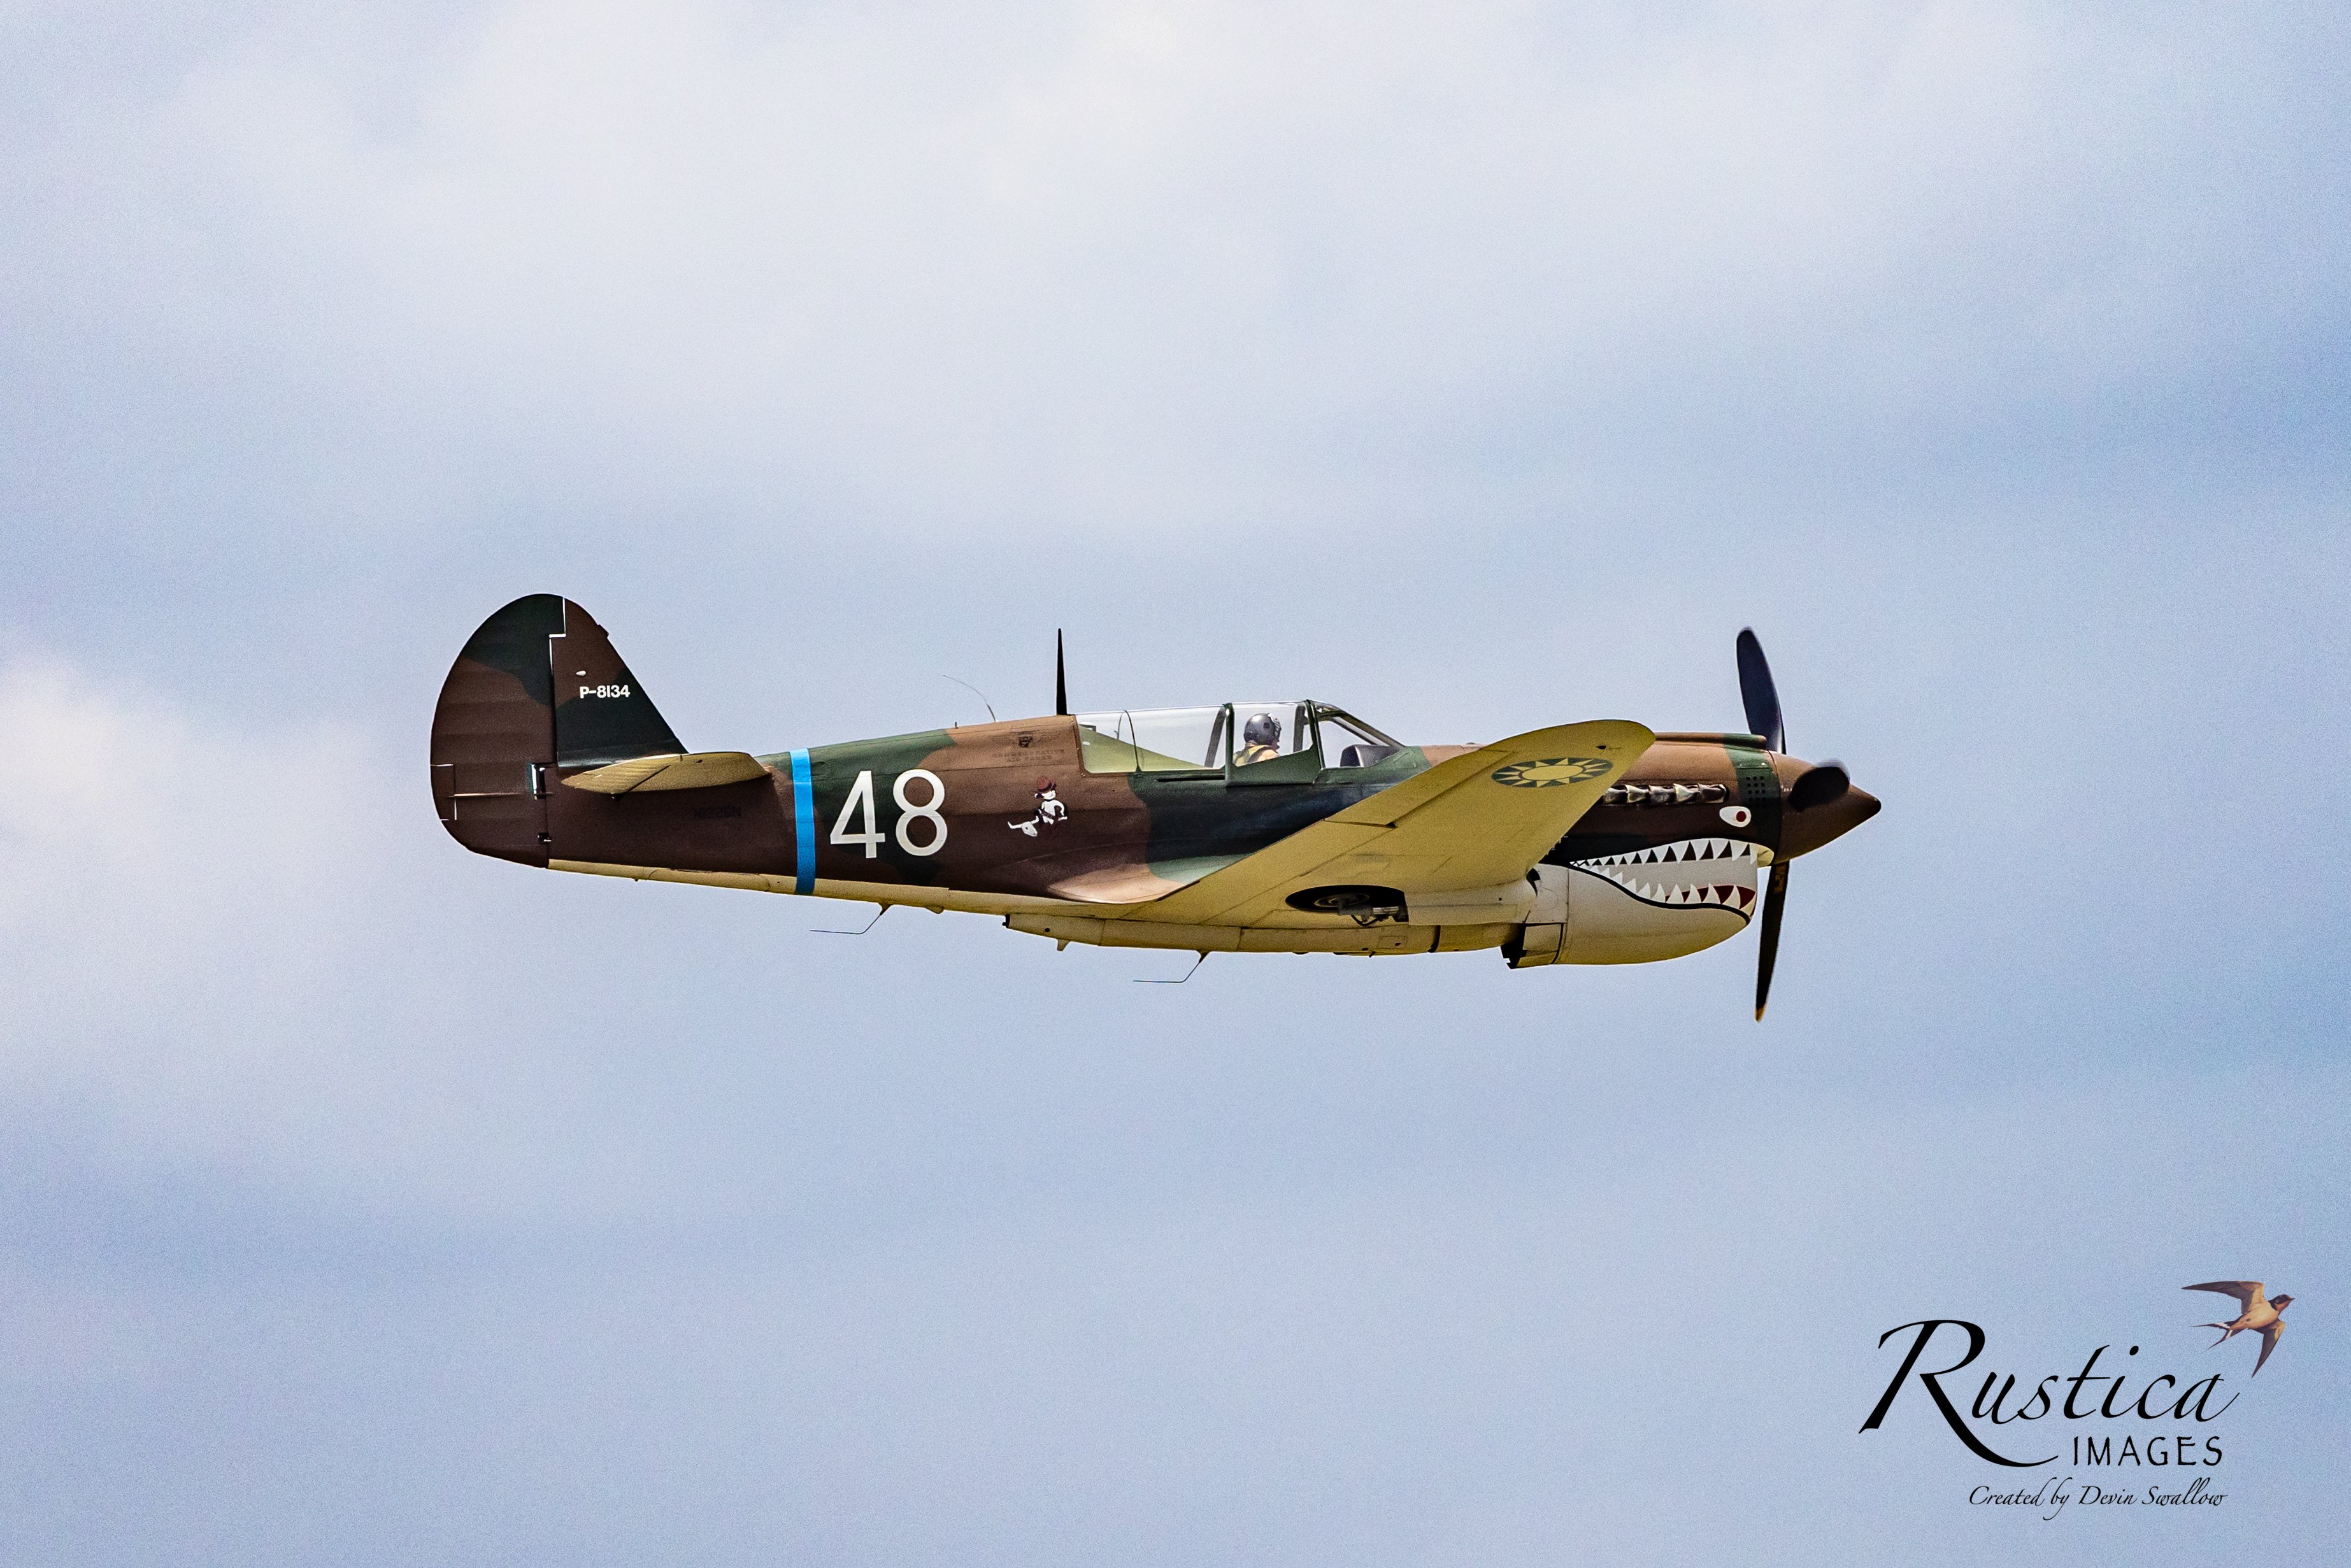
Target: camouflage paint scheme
<point x="1662" y="863"/>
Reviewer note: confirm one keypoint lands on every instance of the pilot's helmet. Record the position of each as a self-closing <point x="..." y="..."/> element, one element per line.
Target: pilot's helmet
<point x="1262" y="729"/>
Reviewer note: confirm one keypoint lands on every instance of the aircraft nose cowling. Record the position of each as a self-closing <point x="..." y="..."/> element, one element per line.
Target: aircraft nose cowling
<point x="1803" y="831"/>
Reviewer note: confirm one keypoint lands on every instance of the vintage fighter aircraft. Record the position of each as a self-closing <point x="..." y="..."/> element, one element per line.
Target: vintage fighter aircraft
<point x="1252" y="826"/>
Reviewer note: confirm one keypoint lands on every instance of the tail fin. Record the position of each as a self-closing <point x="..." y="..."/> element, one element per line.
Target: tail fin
<point x="536" y="687"/>
<point x="602" y="714"/>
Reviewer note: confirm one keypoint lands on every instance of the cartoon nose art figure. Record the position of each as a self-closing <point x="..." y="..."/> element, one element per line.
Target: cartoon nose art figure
<point x="1050" y="812"/>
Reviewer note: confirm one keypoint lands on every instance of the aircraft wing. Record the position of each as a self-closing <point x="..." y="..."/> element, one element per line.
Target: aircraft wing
<point x="1478" y="819"/>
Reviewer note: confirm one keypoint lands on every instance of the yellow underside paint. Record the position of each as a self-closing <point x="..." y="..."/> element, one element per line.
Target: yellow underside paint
<point x="855" y="892"/>
<point x="1067" y="922"/>
<point x="1385" y="938"/>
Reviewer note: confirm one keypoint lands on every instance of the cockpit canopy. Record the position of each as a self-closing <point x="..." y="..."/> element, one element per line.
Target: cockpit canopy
<point x="1233" y="737"/>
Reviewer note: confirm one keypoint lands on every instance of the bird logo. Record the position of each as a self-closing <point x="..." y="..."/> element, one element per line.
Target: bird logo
<point x="2259" y="1315"/>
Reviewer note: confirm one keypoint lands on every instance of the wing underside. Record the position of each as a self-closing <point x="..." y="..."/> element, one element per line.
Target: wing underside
<point x="2245" y="1291"/>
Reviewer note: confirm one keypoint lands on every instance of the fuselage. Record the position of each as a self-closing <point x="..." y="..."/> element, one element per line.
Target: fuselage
<point x="952" y="818"/>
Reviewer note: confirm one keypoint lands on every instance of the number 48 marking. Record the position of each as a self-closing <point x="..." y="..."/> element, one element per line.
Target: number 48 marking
<point x="860" y="804"/>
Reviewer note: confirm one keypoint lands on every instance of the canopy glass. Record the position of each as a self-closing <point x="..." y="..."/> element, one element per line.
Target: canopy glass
<point x="1229" y="738"/>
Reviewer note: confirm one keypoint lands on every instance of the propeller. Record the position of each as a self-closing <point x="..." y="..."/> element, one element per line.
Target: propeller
<point x="1768" y="953"/>
<point x="1757" y="692"/>
<point x="1061" y="679"/>
<point x="1761" y="699"/>
<point x="1821" y="804"/>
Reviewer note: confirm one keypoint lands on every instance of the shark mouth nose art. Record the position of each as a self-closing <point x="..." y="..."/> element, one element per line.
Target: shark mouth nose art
<point x="1716" y="873"/>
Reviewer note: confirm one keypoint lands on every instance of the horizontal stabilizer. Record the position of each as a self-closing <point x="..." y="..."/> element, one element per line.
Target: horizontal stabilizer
<point x="676" y="770"/>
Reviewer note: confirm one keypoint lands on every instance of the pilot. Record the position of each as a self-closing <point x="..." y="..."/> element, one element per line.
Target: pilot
<point x="1260" y="740"/>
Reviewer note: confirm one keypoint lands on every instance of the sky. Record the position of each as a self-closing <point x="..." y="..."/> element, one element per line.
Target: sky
<point x="1476" y="368"/>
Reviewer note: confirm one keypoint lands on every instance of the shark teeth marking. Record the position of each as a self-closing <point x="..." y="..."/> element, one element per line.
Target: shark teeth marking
<point x="1688" y="849"/>
<point x="1692" y="889"/>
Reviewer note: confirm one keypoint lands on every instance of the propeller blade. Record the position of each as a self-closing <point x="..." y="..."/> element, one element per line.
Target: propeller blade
<point x="1060" y="679"/>
<point x="1768" y="953"/>
<point x="1756" y="690"/>
<point x="1819" y="786"/>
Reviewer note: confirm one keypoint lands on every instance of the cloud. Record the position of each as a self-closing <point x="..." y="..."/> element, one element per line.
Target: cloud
<point x="241" y="965"/>
<point x="1143" y="268"/>
<point x="153" y="863"/>
<point x="191" y="907"/>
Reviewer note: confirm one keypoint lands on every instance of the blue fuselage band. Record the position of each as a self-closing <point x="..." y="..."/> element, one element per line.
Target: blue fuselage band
<point x="804" y="817"/>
